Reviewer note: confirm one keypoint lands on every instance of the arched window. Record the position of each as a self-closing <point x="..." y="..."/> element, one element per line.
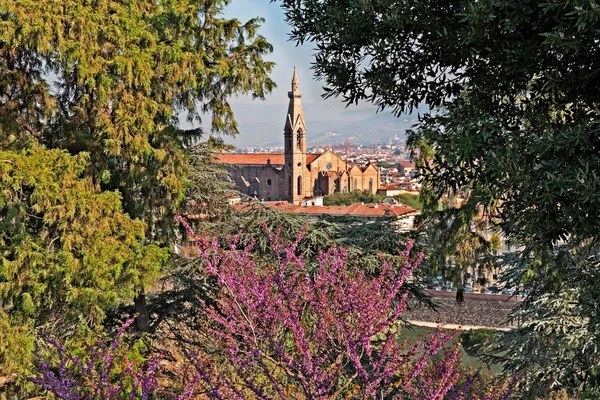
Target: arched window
<point x="299" y="140"/>
<point x="299" y="185"/>
<point x="370" y="185"/>
<point x="355" y="185"/>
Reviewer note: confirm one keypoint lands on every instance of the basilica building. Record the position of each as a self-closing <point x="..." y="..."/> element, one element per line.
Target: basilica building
<point x="296" y="175"/>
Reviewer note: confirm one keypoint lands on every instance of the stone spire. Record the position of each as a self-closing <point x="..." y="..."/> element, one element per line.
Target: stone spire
<point x="295" y="81"/>
<point x="295" y="145"/>
<point x="295" y="116"/>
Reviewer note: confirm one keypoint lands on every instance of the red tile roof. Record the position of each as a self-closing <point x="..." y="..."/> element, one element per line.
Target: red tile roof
<point x="407" y="164"/>
<point x="312" y="157"/>
<point x="354" y="210"/>
<point x="258" y="158"/>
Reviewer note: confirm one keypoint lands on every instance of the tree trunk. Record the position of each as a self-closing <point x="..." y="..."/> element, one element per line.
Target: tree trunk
<point x="141" y="309"/>
<point x="460" y="296"/>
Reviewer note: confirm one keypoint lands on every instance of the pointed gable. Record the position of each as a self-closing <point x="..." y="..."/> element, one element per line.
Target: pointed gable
<point x="300" y="124"/>
<point x="319" y="158"/>
<point x="355" y="170"/>
<point x="370" y="167"/>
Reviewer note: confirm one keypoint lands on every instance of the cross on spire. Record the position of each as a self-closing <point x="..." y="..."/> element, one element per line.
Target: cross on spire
<point x="295" y="81"/>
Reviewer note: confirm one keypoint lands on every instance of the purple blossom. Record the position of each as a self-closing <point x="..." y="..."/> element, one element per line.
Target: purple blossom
<point x="287" y="328"/>
<point x="106" y="374"/>
<point x="331" y="330"/>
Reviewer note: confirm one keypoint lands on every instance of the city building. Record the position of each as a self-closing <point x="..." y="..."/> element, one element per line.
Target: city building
<point x="402" y="216"/>
<point x="406" y="168"/>
<point x="296" y="175"/>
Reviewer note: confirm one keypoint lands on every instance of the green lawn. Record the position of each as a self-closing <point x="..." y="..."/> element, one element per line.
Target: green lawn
<point x="417" y="332"/>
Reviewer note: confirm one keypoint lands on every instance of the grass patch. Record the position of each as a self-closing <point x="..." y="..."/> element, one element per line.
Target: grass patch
<point x="418" y="332"/>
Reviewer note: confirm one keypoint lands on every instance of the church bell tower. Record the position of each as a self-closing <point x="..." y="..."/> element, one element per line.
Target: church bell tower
<point x="295" y="145"/>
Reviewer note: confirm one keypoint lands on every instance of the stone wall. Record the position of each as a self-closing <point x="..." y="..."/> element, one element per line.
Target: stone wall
<point x="477" y="309"/>
<point x="265" y="181"/>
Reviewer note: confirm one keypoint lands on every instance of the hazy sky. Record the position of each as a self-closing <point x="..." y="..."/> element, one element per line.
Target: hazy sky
<point x="285" y="54"/>
<point x="261" y="122"/>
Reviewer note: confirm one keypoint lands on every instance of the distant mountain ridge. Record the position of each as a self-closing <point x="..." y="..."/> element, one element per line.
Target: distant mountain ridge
<point x="262" y="124"/>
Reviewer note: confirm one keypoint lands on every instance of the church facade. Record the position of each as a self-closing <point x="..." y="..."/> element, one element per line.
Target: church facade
<point x="297" y="175"/>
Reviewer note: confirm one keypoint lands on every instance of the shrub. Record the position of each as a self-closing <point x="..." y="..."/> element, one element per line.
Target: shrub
<point x="279" y="328"/>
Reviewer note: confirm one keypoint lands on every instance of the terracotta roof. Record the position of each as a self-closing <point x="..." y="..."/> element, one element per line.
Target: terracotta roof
<point x="312" y="157"/>
<point x="258" y="158"/>
<point x="354" y="210"/>
<point x="407" y="164"/>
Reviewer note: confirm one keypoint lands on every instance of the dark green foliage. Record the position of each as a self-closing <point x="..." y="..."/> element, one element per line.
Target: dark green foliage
<point x="557" y="342"/>
<point x="456" y="241"/>
<point x="539" y="178"/>
<point x="368" y="235"/>
<point x="207" y="191"/>
<point x="474" y="339"/>
<point x="346" y="199"/>
<point x="516" y="90"/>
<point x="251" y="224"/>
<point x="519" y="121"/>
<point x="93" y="164"/>
<point x="365" y="239"/>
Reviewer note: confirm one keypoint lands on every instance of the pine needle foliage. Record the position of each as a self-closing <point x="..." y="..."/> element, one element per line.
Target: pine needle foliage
<point x="67" y="251"/>
<point x="113" y="78"/>
<point x="93" y="162"/>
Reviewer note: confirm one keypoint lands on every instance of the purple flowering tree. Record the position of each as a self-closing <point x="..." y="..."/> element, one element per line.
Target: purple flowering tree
<point x="325" y="332"/>
<point x="285" y="328"/>
<point x="106" y="372"/>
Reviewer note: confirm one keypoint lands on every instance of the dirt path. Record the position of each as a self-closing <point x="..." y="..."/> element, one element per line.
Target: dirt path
<point x="454" y="326"/>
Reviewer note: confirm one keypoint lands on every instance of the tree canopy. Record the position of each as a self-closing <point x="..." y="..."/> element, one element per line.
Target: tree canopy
<point x="513" y="91"/>
<point x="113" y="78"/>
<point x="93" y="162"/>
<point x="517" y="87"/>
<point x="66" y="246"/>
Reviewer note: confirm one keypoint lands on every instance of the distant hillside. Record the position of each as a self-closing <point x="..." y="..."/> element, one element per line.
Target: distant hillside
<point x="378" y="128"/>
<point x="261" y="124"/>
